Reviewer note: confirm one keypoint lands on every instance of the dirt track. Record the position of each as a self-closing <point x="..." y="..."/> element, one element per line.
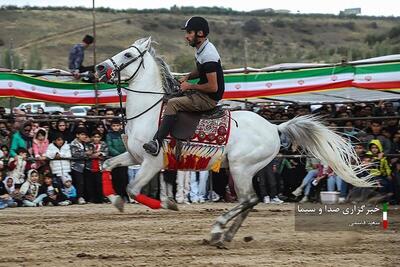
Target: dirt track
<point x="97" y="235"/>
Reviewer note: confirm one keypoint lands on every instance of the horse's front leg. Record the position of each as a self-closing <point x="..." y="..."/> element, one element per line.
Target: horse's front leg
<point x="124" y="159"/>
<point x="148" y="170"/>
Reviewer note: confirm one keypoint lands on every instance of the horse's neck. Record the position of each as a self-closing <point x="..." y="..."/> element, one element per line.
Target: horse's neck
<point x="148" y="79"/>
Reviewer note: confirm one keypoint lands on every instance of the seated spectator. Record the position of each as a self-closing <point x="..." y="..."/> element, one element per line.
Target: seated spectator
<point x="59" y="149"/>
<point x="333" y="180"/>
<point x="312" y="167"/>
<point x="5" y="197"/>
<point x="17" y="166"/>
<point x="53" y="193"/>
<point x="324" y="171"/>
<point x="380" y="168"/>
<point x="69" y="190"/>
<point x="30" y="190"/>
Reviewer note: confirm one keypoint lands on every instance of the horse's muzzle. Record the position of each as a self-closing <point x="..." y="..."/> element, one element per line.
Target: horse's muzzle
<point x="104" y="72"/>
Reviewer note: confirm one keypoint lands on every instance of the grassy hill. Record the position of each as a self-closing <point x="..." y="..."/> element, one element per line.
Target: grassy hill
<point x="45" y="36"/>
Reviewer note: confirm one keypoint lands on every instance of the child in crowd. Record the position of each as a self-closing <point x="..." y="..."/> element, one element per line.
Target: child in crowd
<point x="12" y="191"/>
<point x="79" y="151"/>
<point x="4" y="160"/>
<point x="53" y="193"/>
<point x="30" y="190"/>
<point x="5" y="197"/>
<point x="116" y="147"/>
<point x="380" y="168"/>
<point x="39" y="146"/>
<point x="56" y="150"/>
<point x="69" y="190"/>
<point x="17" y="166"/>
<point x="93" y="182"/>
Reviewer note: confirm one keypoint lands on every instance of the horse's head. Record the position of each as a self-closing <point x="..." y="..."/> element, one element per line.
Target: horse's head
<point x="124" y="65"/>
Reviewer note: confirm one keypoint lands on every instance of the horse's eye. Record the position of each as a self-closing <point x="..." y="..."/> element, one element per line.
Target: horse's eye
<point x="128" y="55"/>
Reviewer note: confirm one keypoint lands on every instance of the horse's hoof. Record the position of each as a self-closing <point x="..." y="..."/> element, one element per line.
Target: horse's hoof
<point x="170" y="205"/>
<point x="205" y="242"/>
<point x="228" y="238"/>
<point x="118" y="202"/>
<point x="219" y="245"/>
<point x="215" y="237"/>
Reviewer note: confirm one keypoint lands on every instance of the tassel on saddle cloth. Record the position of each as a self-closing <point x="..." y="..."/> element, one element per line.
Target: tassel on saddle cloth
<point x="192" y="156"/>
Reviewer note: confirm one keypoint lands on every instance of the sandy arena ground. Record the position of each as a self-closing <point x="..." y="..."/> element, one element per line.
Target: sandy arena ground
<point x="97" y="235"/>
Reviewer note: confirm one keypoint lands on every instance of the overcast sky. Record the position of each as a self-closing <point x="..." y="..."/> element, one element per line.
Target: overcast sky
<point x="368" y="7"/>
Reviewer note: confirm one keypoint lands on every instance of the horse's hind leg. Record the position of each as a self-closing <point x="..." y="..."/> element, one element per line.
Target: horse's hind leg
<point x="217" y="231"/>
<point x="230" y="234"/>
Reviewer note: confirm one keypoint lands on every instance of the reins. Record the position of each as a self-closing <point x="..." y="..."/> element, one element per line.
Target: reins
<point x="117" y="71"/>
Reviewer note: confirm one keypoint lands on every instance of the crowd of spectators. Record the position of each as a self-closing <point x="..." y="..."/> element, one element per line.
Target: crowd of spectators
<point x="59" y="162"/>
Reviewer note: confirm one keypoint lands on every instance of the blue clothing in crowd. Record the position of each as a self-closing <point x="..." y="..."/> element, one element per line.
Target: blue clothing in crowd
<point x="70" y="192"/>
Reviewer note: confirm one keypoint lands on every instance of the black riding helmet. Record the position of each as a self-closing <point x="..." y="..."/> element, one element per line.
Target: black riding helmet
<point x="197" y="24"/>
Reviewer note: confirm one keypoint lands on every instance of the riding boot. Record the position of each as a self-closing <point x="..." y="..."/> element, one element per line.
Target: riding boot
<point x="153" y="147"/>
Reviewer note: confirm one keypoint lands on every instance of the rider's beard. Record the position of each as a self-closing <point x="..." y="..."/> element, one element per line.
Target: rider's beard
<point x="195" y="41"/>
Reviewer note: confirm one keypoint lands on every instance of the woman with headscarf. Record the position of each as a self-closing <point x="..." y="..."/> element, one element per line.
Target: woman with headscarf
<point x="22" y="139"/>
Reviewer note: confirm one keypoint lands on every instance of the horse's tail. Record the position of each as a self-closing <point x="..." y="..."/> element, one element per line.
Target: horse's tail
<point x="324" y="144"/>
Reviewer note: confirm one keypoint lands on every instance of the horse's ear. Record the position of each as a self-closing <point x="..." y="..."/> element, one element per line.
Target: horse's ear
<point x="147" y="43"/>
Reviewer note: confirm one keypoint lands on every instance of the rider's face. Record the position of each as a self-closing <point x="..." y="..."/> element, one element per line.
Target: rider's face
<point x="191" y="38"/>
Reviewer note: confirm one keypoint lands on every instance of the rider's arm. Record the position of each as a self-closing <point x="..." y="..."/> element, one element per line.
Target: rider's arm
<point x="192" y="75"/>
<point x="210" y="87"/>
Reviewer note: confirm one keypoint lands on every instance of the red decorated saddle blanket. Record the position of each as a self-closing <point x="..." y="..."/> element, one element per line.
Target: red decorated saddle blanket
<point x="203" y="149"/>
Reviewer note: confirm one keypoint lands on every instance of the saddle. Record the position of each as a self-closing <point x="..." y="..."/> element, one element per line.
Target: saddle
<point x="187" y="122"/>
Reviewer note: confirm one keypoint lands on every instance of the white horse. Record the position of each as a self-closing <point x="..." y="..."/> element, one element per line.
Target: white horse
<point x="252" y="144"/>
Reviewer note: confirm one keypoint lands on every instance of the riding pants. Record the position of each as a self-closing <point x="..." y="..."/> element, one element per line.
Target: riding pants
<point x="196" y="101"/>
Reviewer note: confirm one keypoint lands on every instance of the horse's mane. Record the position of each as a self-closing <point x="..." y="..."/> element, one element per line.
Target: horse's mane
<point x="169" y="83"/>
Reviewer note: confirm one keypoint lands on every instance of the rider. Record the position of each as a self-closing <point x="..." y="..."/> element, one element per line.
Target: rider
<point x="202" y="96"/>
<point x="76" y="56"/>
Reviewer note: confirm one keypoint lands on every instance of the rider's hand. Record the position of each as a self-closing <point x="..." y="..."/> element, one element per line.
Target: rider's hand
<point x="76" y="74"/>
<point x="184" y="79"/>
<point x="186" y="86"/>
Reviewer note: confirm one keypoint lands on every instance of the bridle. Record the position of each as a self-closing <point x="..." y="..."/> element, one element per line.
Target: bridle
<point x="117" y="69"/>
<point x="117" y="72"/>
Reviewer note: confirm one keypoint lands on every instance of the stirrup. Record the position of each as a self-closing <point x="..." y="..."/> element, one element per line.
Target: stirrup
<point x="153" y="147"/>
